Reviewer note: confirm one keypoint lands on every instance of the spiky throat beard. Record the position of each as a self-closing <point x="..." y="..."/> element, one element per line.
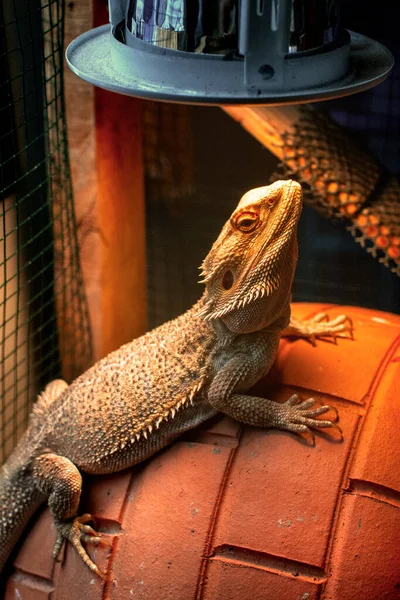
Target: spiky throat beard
<point x="262" y="277"/>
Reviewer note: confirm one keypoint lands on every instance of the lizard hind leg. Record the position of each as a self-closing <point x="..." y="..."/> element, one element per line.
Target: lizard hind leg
<point x="58" y="478"/>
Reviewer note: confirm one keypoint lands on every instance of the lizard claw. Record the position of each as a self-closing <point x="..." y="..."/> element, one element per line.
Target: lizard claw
<point x="320" y="326"/>
<point x="335" y="328"/>
<point x="76" y="531"/>
<point x="300" y="417"/>
<point x="335" y="410"/>
<point x="339" y="429"/>
<point x="319" y="404"/>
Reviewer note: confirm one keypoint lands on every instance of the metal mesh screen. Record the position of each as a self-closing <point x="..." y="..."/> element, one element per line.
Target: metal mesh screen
<point x="44" y="327"/>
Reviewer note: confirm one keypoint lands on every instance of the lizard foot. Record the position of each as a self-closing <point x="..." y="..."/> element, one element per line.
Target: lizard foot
<point x="320" y="326"/>
<point x="76" y="531"/>
<point x="300" y="416"/>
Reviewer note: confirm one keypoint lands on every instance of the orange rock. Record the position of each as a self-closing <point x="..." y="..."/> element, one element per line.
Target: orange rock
<point x="231" y="512"/>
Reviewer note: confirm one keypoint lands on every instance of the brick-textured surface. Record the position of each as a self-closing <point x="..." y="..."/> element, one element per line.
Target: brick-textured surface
<point x="365" y="558"/>
<point x="337" y="373"/>
<point x="307" y="492"/>
<point x="169" y="512"/>
<point x="232" y="512"/>
<point x="233" y="580"/>
<point x="376" y="462"/>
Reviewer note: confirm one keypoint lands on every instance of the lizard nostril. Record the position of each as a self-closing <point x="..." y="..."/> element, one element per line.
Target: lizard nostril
<point x="227" y="280"/>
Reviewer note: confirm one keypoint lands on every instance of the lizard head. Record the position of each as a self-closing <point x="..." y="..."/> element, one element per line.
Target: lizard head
<point x="249" y="270"/>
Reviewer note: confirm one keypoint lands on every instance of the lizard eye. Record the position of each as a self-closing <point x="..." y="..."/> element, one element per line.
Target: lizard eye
<point x="247" y="221"/>
<point x="227" y="280"/>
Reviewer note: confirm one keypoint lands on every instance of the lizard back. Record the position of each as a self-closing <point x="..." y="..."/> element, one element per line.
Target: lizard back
<point x="135" y="389"/>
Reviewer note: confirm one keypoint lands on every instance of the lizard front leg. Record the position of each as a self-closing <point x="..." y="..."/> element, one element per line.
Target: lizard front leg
<point x="58" y="478"/>
<point x="225" y="395"/>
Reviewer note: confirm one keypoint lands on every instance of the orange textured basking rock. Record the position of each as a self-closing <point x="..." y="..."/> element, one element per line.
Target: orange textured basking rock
<point x="232" y="512"/>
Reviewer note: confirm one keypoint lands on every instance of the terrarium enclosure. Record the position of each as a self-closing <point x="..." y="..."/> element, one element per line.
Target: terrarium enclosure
<point x="110" y="203"/>
<point x="152" y="182"/>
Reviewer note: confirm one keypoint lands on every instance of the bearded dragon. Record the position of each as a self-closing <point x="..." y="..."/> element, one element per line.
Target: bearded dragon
<point x="141" y="397"/>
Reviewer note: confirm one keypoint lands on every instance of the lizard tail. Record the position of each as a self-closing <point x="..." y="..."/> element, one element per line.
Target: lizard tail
<point x="19" y="499"/>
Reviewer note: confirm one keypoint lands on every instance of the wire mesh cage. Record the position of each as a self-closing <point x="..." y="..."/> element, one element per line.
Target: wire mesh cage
<point x="44" y="326"/>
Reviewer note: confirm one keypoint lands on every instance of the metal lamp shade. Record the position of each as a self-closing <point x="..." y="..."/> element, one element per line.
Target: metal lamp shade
<point x="228" y="52"/>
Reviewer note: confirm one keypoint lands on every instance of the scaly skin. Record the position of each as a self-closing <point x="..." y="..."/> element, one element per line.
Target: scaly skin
<point x="141" y="397"/>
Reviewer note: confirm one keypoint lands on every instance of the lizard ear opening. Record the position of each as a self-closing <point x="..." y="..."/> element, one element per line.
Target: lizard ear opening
<point x="227" y="280"/>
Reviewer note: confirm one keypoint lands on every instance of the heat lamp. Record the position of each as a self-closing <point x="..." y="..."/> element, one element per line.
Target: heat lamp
<point x="228" y="52"/>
